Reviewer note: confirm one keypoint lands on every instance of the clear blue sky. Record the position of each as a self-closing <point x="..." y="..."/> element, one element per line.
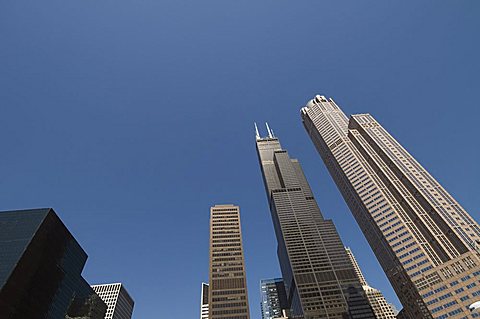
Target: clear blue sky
<point x="131" y="118"/>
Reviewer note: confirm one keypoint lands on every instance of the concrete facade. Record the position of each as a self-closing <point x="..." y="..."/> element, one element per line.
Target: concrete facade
<point x="228" y="297"/>
<point x="424" y="240"/>
<point x="119" y="303"/>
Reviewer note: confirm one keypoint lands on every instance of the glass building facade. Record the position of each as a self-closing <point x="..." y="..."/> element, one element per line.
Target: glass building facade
<point x="40" y="267"/>
<point x="273" y="298"/>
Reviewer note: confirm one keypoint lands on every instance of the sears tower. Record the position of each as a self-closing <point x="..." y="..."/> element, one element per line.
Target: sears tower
<point x="320" y="281"/>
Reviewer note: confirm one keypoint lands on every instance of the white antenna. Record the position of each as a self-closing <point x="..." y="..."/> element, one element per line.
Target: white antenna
<point x="269" y="132"/>
<point x="273" y="134"/>
<point x="257" y="135"/>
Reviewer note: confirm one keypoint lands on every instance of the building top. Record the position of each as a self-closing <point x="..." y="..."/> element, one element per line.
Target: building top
<point x="356" y="266"/>
<point x="109" y="284"/>
<point x="205" y="289"/>
<point x="121" y="290"/>
<point x="272" y="280"/>
<point x="270" y="133"/>
<point x="40" y="266"/>
<point x="17" y="229"/>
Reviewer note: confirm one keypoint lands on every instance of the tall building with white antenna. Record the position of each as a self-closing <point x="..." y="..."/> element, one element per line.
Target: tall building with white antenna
<point x="319" y="278"/>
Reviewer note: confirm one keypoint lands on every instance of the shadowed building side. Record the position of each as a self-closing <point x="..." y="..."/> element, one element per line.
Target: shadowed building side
<point x="40" y="269"/>
<point x="120" y="304"/>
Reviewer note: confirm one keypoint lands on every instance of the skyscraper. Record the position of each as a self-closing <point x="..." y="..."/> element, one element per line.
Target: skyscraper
<point x="204" y="301"/>
<point x="120" y="304"/>
<point x="273" y="298"/>
<point x="356" y="267"/>
<point x="424" y="240"/>
<point x="228" y="296"/>
<point x="40" y="269"/>
<point x="320" y="281"/>
<point x="381" y="307"/>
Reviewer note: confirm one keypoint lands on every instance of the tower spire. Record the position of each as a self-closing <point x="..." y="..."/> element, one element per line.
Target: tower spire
<point x="257" y="135"/>
<point x="268" y="130"/>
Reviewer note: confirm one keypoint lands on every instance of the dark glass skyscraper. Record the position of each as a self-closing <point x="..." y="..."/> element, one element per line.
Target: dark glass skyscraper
<point x="273" y="298"/>
<point x="40" y="269"/>
<point x="319" y="278"/>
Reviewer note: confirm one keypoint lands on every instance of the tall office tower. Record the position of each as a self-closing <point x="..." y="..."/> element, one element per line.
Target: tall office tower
<point x="204" y="302"/>
<point x="40" y="269"/>
<point x="273" y="298"/>
<point x="119" y="302"/>
<point x="356" y="267"/>
<point x="320" y="281"/>
<point x="381" y="307"/>
<point x="424" y="240"/>
<point x="228" y="298"/>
